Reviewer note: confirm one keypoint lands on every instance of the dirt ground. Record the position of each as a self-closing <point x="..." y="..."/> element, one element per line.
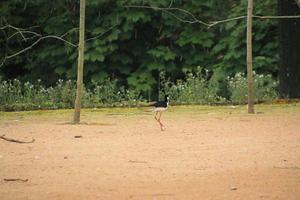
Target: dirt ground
<point x="204" y="153"/>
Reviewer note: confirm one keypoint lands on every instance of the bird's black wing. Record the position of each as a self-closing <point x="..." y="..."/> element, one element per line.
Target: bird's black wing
<point x="160" y="104"/>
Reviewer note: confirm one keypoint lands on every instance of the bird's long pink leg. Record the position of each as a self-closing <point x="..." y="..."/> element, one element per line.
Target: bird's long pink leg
<point x="155" y="116"/>
<point x="161" y="124"/>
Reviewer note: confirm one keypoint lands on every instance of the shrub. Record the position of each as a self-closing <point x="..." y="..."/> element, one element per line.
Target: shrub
<point x="63" y="93"/>
<point x="196" y="89"/>
<point x="10" y="92"/>
<point x="265" y="88"/>
<point x="108" y="93"/>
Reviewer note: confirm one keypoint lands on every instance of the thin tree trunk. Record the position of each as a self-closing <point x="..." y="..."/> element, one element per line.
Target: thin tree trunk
<point x="80" y="63"/>
<point x="298" y="3"/>
<point x="249" y="58"/>
<point x="289" y="48"/>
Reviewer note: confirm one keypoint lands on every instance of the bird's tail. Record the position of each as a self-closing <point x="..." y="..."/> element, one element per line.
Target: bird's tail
<point x="151" y="103"/>
<point x="147" y="107"/>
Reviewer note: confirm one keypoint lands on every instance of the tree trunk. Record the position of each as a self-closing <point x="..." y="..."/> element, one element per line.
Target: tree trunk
<point x="80" y="63"/>
<point x="298" y="3"/>
<point x="249" y="58"/>
<point x="289" y="50"/>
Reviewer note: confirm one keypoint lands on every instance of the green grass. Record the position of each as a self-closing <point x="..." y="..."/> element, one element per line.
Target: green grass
<point x="65" y="116"/>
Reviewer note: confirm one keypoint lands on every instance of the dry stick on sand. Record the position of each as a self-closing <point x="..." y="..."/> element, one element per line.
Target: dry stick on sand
<point x="16" y="141"/>
<point x="15" y="179"/>
<point x="136" y="161"/>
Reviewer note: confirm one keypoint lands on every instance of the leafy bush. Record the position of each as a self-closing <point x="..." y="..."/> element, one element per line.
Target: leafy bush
<point x="15" y="96"/>
<point x="10" y="91"/>
<point x="108" y="93"/>
<point x="265" y="88"/>
<point x="63" y="93"/>
<point x="197" y="87"/>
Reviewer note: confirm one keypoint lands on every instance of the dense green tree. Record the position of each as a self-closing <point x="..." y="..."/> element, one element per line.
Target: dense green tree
<point x="289" y="31"/>
<point x="134" y="45"/>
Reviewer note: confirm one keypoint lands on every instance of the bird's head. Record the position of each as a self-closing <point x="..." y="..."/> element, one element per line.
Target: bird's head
<point x="167" y="98"/>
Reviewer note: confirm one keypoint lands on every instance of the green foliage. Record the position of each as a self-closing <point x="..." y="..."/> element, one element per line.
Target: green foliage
<point x="133" y="44"/>
<point x="231" y="49"/>
<point x="265" y="88"/>
<point x="16" y="96"/>
<point x="109" y="95"/>
<point x="163" y="53"/>
<point x="63" y="93"/>
<point x="197" y="88"/>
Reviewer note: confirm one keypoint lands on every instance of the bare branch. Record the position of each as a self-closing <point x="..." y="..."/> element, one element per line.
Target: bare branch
<point x="61" y="39"/>
<point x="12" y="27"/>
<point x="69" y="31"/>
<point x="22" y="34"/>
<point x="16" y="29"/>
<point x="277" y="17"/>
<point x="37" y="41"/>
<point x="101" y="34"/>
<point x="254" y="16"/>
<point x="195" y="19"/>
<point x="23" y="31"/>
<point x="23" y="50"/>
<point x="171" y="3"/>
<point x="180" y="19"/>
<point x="208" y="24"/>
<point x="34" y="44"/>
<point x="225" y="20"/>
<point x="3" y="61"/>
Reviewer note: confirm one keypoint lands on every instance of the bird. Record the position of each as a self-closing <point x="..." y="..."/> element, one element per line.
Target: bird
<point x="159" y="107"/>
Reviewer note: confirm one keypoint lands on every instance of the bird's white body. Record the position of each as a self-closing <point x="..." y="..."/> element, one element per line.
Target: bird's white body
<point x="159" y="109"/>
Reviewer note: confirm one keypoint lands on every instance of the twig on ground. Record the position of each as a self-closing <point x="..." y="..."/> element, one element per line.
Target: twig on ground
<point x="136" y="161"/>
<point x="292" y="168"/>
<point x="15" y="179"/>
<point x="16" y="141"/>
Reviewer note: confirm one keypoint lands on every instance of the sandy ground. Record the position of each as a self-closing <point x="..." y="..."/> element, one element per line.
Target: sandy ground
<point x="204" y="153"/>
